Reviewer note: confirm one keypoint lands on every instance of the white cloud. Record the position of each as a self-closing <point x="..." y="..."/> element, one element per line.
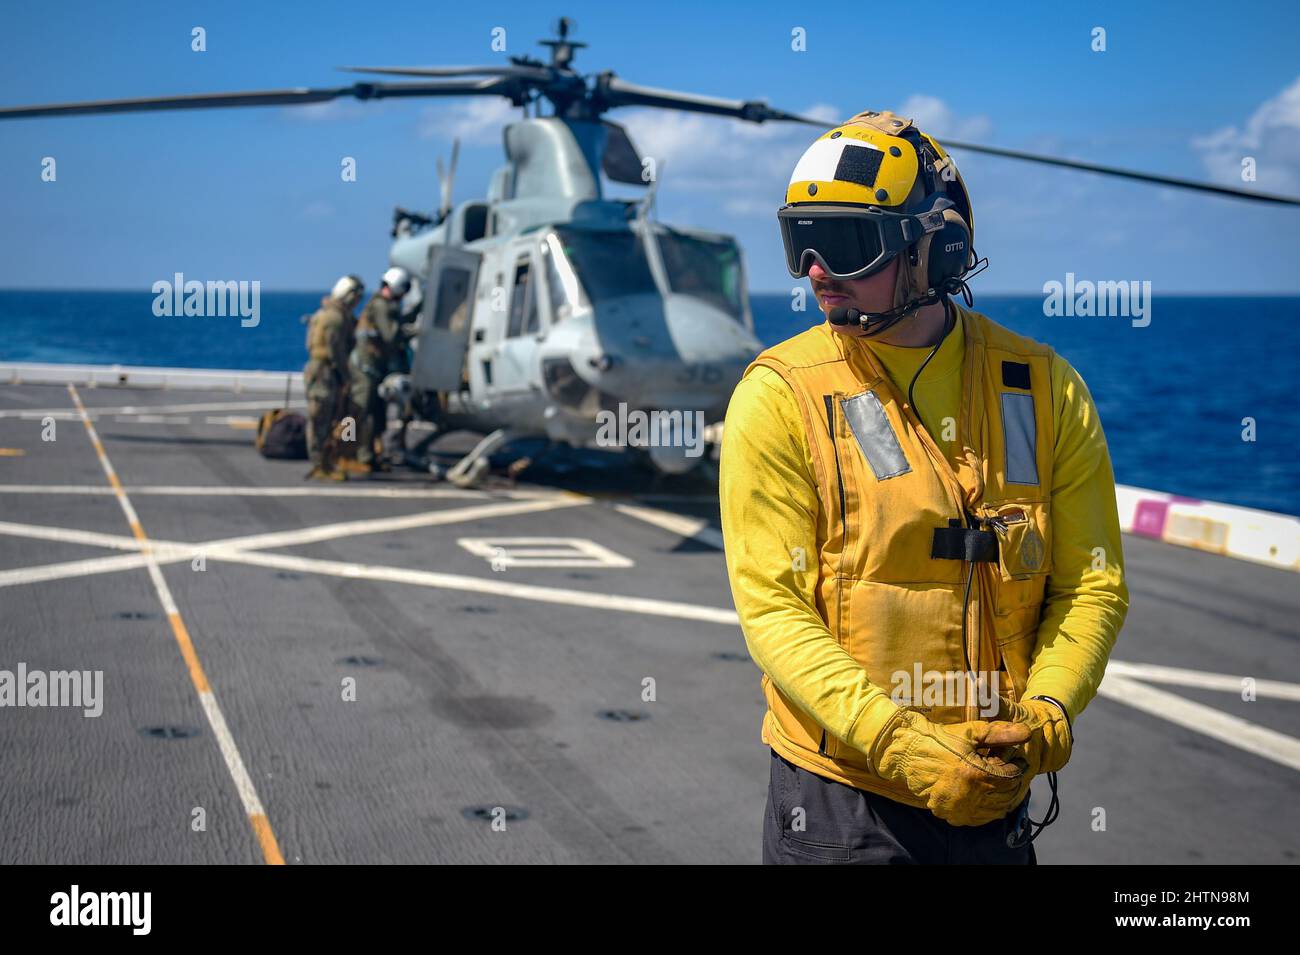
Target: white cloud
<point x="746" y="165"/>
<point x="1271" y="136"/>
<point x="932" y="115"/>
<point x="477" y="120"/>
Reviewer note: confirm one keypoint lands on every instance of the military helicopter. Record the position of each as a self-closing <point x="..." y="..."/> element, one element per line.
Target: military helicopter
<point x="545" y="304"/>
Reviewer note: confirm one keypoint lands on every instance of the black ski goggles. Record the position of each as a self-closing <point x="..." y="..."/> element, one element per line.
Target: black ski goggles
<point x="849" y="242"/>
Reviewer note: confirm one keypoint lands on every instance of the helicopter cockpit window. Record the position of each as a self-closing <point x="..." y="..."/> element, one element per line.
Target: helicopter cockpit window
<point x="523" y="303"/>
<point x="706" y="269"/>
<point x="607" y="264"/>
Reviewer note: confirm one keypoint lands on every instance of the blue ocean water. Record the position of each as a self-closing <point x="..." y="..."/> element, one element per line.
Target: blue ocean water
<point x="1172" y="395"/>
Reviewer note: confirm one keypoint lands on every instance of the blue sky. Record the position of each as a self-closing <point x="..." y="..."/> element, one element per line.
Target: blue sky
<point x="1184" y="89"/>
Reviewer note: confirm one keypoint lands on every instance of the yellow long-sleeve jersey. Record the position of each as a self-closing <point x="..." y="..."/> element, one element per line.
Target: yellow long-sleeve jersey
<point x="770" y="503"/>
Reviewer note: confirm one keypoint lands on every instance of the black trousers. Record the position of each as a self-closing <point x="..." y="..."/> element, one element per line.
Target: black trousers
<point x="812" y="820"/>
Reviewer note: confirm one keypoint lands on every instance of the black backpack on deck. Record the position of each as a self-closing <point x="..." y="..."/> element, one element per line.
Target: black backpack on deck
<point x="282" y="434"/>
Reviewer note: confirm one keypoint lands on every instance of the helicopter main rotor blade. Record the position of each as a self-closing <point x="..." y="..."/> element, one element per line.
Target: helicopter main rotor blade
<point x="505" y="86"/>
<point x="618" y="93"/>
<point x="615" y="92"/>
<point x="1174" y="181"/>
<point x="524" y="72"/>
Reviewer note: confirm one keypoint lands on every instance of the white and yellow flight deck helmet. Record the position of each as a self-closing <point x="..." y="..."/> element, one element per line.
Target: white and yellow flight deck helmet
<point x="873" y="188"/>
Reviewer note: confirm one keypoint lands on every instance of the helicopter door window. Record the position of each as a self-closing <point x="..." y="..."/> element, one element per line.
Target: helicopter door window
<point x="453" y="291"/>
<point x="523" y="304"/>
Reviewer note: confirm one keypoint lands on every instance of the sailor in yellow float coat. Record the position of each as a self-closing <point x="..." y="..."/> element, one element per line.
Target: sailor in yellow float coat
<point x="852" y="529"/>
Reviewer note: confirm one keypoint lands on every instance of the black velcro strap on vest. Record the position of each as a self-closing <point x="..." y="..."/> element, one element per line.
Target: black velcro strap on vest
<point x="1015" y="374"/>
<point x="964" y="543"/>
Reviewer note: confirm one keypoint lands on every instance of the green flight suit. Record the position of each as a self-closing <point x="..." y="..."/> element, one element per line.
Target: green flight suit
<point x="367" y="366"/>
<point x="329" y="334"/>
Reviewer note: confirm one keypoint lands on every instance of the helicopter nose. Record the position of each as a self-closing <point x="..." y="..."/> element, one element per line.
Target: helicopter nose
<point x="702" y="332"/>
<point x="674" y="351"/>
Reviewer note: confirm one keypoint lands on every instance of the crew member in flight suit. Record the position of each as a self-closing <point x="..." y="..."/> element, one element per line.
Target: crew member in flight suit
<point x="329" y="340"/>
<point x="379" y="350"/>
<point x="919" y="518"/>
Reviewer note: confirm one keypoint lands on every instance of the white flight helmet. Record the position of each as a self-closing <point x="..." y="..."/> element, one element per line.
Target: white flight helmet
<point x="398" y="280"/>
<point x="348" y="286"/>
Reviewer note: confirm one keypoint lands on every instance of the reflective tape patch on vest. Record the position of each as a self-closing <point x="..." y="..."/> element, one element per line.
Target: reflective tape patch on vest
<point x="875" y="435"/>
<point x="1020" y="437"/>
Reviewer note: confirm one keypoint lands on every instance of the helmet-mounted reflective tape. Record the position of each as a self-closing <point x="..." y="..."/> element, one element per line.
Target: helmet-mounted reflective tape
<point x="820" y="161"/>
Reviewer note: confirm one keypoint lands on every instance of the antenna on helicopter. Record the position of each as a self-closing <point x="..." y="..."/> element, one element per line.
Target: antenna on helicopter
<point x="446" y="177"/>
<point x="562" y="50"/>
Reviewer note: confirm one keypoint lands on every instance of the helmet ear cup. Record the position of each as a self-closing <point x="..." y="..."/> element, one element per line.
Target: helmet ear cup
<point x="943" y="255"/>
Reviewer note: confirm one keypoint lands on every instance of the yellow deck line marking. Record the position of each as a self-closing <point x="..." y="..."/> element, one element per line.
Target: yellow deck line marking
<point x="216" y="719"/>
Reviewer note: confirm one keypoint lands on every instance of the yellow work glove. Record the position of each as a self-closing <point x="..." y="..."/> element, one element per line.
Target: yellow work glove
<point x="958" y="770"/>
<point x="1050" y="738"/>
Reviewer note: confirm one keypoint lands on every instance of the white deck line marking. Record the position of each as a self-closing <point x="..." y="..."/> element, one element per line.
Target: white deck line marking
<point x="1119" y="684"/>
<point x="312" y="535"/>
<point x="253" y="808"/>
<point x="1201" y="680"/>
<point x="504" y="552"/>
<point x="63" y="414"/>
<point x="170" y="552"/>
<point x="151" y="419"/>
<point x="692" y="527"/>
<point x="87" y="489"/>
<point x="66" y="535"/>
<point x="1224" y="727"/>
<point x="674" y="498"/>
<point x="70" y="568"/>
<point x="308" y="490"/>
<point x="424" y="578"/>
